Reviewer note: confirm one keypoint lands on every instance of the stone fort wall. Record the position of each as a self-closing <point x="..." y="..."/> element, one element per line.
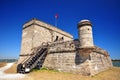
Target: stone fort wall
<point x="64" y="54"/>
<point x="36" y="32"/>
<point x="68" y="57"/>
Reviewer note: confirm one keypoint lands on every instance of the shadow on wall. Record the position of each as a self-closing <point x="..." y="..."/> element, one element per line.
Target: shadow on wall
<point x="79" y="58"/>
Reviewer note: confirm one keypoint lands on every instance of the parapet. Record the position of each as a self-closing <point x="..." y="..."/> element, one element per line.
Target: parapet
<point x="84" y="22"/>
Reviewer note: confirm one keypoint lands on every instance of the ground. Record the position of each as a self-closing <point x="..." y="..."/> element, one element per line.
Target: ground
<point x="111" y="74"/>
<point x="12" y="69"/>
<point x="2" y="64"/>
<point x="10" y="76"/>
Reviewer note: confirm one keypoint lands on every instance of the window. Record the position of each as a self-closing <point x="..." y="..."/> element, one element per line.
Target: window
<point x="62" y="38"/>
<point x="88" y="29"/>
<point x="56" y="39"/>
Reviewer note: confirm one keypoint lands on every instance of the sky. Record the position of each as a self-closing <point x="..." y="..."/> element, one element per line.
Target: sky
<point x="104" y="15"/>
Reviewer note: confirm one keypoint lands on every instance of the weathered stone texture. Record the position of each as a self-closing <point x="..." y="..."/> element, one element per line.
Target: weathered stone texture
<point x="47" y="26"/>
<point x="67" y="58"/>
<point x="99" y="62"/>
<point x="64" y="54"/>
<point x="85" y="34"/>
<point x="66" y="62"/>
<point x="27" y="40"/>
<point x="35" y="33"/>
<point x="86" y="61"/>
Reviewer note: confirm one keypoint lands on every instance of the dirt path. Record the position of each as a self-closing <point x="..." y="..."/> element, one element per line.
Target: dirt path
<point x="4" y="76"/>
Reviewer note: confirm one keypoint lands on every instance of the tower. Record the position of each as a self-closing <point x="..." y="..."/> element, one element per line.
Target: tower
<point x="85" y="34"/>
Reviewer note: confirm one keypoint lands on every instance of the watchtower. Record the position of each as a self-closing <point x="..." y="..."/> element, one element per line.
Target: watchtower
<point x="85" y="34"/>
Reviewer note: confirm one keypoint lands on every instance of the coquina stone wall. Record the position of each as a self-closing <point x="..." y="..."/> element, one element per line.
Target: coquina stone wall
<point x="35" y="33"/>
<point x="68" y="57"/>
<point x="64" y="54"/>
<point x="100" y="61"/>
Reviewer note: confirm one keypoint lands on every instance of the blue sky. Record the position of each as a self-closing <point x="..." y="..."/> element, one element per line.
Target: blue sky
<point x="104" y="14"/>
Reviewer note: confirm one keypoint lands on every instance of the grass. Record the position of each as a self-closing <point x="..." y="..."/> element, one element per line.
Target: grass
<point x="2" y="64"/>
<point x="43" y="69"/>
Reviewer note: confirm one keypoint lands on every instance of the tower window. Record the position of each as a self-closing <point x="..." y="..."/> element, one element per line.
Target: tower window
<point x="62" y="38"/>
<point x="88" y="29"/>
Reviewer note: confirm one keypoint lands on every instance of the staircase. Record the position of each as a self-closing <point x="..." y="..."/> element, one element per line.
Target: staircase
<point x="34" y="61"/>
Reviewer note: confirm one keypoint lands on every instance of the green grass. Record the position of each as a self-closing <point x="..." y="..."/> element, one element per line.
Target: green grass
<point x="43" y="69"/>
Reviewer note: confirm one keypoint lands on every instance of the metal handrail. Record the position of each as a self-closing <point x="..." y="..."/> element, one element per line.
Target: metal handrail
<point x="38" y="59"/>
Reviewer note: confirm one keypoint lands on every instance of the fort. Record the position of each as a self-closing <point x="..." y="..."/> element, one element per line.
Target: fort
<point x="44" y="45"/>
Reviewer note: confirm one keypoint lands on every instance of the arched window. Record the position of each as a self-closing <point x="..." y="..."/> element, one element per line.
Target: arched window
<point x="88" y="29"/>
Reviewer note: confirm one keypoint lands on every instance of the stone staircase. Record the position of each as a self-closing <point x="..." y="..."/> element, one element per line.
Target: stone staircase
<point x="34" y="61"/>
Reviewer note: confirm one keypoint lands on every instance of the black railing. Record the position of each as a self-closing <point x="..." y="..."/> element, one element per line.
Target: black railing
<point x="33" y="61"/>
